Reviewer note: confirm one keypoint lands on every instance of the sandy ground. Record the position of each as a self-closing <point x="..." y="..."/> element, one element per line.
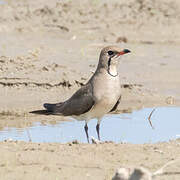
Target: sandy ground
<point x="49" y="49"/>
<point x="21" y="160"/>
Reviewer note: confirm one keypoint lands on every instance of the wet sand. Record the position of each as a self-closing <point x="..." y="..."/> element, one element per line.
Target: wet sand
<point x="46" y="54"/>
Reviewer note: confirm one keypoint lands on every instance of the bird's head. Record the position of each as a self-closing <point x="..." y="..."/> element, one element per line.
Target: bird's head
<point x="109" y="58"/>
<point x="113" y="52"/>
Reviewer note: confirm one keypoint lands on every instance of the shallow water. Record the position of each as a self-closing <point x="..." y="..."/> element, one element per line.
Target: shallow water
<point x="131" y="128"/>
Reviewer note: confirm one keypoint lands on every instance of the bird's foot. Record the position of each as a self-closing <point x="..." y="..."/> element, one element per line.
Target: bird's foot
<point x="95" y="141"/>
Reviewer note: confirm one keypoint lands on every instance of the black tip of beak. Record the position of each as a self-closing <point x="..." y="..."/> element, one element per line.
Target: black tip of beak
<point x="126" y="51"/>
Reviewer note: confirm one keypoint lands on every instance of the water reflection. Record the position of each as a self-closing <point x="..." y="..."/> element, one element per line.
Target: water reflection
<point x="131" y="128"/>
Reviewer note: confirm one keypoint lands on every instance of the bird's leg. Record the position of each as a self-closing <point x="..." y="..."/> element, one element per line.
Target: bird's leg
<point x="97" y="129"/>
<point x="86" y="130"/>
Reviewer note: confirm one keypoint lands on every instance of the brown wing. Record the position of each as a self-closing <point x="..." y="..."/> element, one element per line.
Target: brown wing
<point x="80" y="103"/>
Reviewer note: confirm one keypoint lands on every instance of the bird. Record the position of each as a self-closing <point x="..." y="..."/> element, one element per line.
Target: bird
<point x="99" y="96"/>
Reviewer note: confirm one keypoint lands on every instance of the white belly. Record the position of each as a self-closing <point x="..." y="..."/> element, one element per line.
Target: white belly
<point x="100" y="109"/>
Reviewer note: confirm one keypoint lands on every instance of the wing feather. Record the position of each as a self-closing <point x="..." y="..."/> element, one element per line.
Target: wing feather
<point x="80" y="103"/>
<point x="116" y="105"/>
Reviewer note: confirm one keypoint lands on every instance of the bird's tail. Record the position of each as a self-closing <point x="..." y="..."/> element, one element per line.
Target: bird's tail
<point x="42" y="112"/>
<point x="48" y="109"/>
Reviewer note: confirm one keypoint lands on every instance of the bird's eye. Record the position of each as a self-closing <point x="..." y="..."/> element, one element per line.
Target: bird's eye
<point x="110" y="53"/>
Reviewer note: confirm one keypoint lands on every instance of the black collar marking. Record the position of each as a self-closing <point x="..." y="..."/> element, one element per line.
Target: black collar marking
<point x="109" y="63"/>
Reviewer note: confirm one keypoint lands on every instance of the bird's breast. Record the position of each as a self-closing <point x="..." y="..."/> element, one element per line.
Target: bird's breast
<point x="107" y="88"/>
<point x="106" y="91"/>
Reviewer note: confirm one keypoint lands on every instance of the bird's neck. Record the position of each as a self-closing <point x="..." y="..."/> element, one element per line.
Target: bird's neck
<point x="112" y="70"/>
<point x="110" y="66"/>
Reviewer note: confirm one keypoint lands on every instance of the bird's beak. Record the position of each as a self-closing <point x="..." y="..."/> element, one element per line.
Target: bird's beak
<point x="123" y="52"/>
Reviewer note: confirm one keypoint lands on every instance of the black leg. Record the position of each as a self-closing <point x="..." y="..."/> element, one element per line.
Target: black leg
<point x="97" y="129"/>
<point x="86" y="130"/>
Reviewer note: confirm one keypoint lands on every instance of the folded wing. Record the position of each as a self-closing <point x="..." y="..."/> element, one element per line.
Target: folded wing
<point x="80" y="103"/>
